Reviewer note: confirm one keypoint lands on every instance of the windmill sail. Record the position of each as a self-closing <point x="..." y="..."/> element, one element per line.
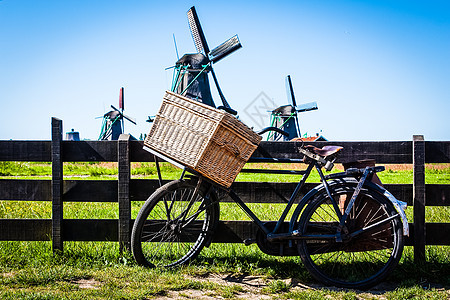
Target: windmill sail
<point x="307" y="107"/>
<point x="290" y="91"/>
<point x="197" y="32"/>
<point x="225" y="49"/>
<point x="121" y="99"/>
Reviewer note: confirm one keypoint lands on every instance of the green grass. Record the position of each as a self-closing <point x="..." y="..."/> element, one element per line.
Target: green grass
<point x="29" y="270"/>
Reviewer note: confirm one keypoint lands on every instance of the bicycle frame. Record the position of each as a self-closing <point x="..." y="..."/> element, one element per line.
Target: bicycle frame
<point x="275" y="235"/>
<point x="286" y="210"/>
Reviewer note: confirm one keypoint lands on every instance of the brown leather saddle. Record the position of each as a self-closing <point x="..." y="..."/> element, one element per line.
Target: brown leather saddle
<point x="325" y="151"/>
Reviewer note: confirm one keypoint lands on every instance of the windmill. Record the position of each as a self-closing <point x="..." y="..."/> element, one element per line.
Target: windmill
<point x="113" y="121"/>
<point x="286" y="117"/>
<point x="190" y="76"/>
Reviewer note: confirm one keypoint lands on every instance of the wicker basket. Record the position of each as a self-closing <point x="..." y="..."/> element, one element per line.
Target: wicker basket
<point x="207" y="140"/>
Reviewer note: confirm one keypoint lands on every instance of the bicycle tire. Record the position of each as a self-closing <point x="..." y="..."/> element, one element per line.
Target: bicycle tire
<point x="359" y="262"/>
<point x="161" y="237"/>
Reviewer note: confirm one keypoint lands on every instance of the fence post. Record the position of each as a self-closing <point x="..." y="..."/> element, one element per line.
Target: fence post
<point x="419" y="198"/>
<point x="123" y="157"/>
<point x="57" y="186"/>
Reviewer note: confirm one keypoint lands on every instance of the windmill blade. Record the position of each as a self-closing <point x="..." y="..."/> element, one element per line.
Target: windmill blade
<point x="121" y="99"/>
<point x="307" y="107"/>
<point x="225" y="49"/>
<point x="197" y="32"/>
<point x="176" y="48"/>
<point x="290" y="91"/>
<point x="222" y="97"/>
<point x="132" y="120"/>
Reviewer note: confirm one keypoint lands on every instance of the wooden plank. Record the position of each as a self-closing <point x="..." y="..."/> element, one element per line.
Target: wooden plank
<point x="437" y="194"/>
<point x="279" y="192"/>
<point x="419" y="198"/>
<point x="107" y="230"/>
<point x="57" y="186"/>
<point x="89" y="150"/>
<point x="403" y="192"/>
<point x="437" y="152"/>
<point x="266" y="192"/>
<point x="409" y="240"/>
<point x="25" y="151"/>
<point x="26" y="190"/>
<point x="25" y="229"/>
<point x="137" y="153"/>
<point x="141" y="189"/>
<point x="91" y="230"/>
<point x="437" y="233"/>
<point x="123" y="154"/>
<point x="74" y="230"/>
<point x="90" y="191"/>
<point x="250" y="192"/>
<point x="382" y="152"/>
<point x="234" y="231"/>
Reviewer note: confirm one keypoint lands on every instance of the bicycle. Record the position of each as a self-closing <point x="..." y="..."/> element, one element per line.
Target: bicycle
<point x="348" y="231"/>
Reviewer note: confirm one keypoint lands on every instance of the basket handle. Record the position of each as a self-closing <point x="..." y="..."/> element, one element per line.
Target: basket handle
<point x="230" y="147"/>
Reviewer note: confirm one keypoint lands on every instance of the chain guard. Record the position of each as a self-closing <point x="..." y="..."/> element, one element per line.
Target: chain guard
<point x="275" y="248"/>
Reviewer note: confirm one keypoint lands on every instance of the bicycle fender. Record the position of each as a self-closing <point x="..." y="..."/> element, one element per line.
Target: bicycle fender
<point x="399" y="206"/>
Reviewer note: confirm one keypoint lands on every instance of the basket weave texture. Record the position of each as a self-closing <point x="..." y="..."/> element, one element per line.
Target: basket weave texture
<point x="207" y="140"/>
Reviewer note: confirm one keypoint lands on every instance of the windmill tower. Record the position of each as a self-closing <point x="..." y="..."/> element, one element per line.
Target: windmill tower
<point x="113" y="121"/>
<point x="191" y="76"/>
<point x="286" y="117"/>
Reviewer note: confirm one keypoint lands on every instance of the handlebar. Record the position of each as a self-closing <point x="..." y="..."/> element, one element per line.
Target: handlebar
<point x="280" y="131"/>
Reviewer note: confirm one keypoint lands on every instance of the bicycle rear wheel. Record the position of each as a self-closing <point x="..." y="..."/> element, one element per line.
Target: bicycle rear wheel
<point x="174" y="224"/>
<point x="360" y="261"/>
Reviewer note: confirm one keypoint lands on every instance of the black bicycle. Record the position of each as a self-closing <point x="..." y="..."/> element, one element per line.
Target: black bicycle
<point x="348" y="231"/>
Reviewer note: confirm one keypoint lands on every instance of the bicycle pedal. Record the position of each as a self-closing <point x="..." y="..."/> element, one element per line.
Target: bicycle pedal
<point x="248" y="242"/>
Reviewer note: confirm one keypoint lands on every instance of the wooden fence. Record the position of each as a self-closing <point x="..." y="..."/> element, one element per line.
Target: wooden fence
<point x="125" y="189"/>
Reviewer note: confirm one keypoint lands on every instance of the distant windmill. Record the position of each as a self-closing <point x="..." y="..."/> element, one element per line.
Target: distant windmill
<point x="191" y="78"/>
<point x="113" y="121"/>
<point x="285" y="117"/>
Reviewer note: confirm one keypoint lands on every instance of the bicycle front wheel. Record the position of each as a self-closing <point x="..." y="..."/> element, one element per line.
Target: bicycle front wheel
<point x="372" y="242"/>
<point x="174" y="224"/>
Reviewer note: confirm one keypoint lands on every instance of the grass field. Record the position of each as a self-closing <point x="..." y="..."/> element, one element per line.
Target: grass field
<point x="97" y="270"/>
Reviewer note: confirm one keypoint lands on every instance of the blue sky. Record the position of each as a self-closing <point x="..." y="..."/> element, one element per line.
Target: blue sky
<point x="379" y="70"/>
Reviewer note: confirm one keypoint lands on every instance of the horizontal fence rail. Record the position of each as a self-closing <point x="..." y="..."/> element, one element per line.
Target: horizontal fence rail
<point x="125" y="189"/>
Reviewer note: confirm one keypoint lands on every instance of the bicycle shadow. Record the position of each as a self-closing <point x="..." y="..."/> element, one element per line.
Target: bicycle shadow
<point x="408" y="274"/>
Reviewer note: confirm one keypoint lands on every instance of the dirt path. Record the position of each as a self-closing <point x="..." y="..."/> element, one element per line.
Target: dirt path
<point x="252" y="287"/>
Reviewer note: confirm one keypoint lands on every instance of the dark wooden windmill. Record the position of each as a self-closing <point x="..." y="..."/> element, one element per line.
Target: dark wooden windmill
<point x="191" y="70"/>
<point x="113" y="121"/>
<point x="286" y="117"/>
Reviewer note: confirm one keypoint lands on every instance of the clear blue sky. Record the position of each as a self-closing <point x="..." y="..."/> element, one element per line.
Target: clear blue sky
<point x="379" y="70"/>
